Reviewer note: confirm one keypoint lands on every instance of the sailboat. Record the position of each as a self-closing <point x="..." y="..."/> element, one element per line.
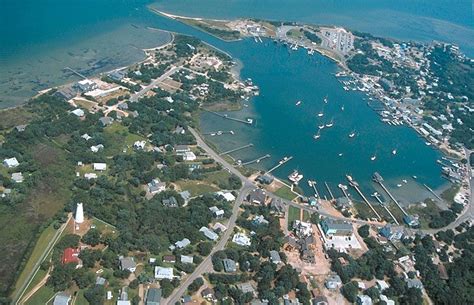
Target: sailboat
<point x="342" y="108"/>
<point x="325" y="99"/>
<point x="321" y="126"/>
<point x="340" y="154"/>
<point x="320" y="114"/>
<point x="373" y="158"/>
<point x="330" y="124"/>
<point x="317" y="136"/>
<point x="352" y="134"/>
<point x="394" y="152"/>
<point x="298" y="103"/>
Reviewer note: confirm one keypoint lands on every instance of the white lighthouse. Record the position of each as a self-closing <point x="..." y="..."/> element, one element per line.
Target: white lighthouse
<point x="79" y="213"/>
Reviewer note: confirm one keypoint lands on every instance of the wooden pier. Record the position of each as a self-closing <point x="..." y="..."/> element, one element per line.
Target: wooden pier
<point x="218" y="133"/>
<point x="432" y="192"/>
<point x="235" y="149"/>
<point x="382" y="204"/>
<point x="355" y="185"/>
<point x="75" y="72"/>
<point x="225" y="116"/>
<point x="329" y="190"/>
<point x="378" y="178"/>
<point x="255" y="160"/>
<point x="280" y="163"/>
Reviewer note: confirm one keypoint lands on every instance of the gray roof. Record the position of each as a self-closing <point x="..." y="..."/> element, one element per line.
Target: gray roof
<point x="275" y="256"/>
<point x="61" y="298"/>
<point x="229" y="265"/>
<point x="209" y="233"/>
<point x="414" y="283"/>
<point x="153" y="296"/>
<point x="106" y="120"/>
<point x="127" y="263"/>
<point x="182" y="243"/>
<point x="257" y="196"/>
<point x="100" y="281"/>
<point x="336" y="224"/>
<point x="246" y="287"/>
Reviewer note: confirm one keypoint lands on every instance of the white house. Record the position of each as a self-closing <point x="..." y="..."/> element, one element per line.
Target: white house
<point x="241" y="239"/>
<point x="189" y="156"/>
<point x="163" y="273"/>
<point x="90" y="176"/>
<point x="100" y="166"/>
<point x="17" y="177"/>
<point x="96" y="148"/>
<point x="11" y="162"/>
<point x="227" y="196"/>
<point x="78" y="112"/>
<point x="139" y="145"/>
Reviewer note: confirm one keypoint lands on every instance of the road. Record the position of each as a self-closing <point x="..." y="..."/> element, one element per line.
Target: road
<point x="206" y="265"/>
<point x="136" y="96"/>
<point x="52" y="242"/>
<point x="247" y="186"/>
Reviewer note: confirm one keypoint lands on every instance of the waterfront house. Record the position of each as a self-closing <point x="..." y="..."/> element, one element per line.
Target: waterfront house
<point x="343" y="203"/>
<point x="66" y="93"/>
<point x="411" y="220"/>
<point x="163" y="273"/>
<point x="86" y="85"/>
<point x="335" y="227"/>
<point x="153" y="296"/>
<point x="312" y="201"/>
<point x="265" y="179"/>
<point x="117" y="75"/>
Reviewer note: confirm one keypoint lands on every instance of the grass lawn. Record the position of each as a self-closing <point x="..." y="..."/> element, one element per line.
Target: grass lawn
<point x="306" y="216"/>
<point x="39" y="248"/>
<point x="42" y="296"/>
<point x="293" y="214"/>
<point x="196" y="188"/>
<point x="217" y="177"/>
<point x="80" y="299"/>
<point x="285" y="193"/>
<point x="431" y="210"/>
<point x="15" y="116"/>
<point x="117" y="137"/>
<point x="449" y="194"/>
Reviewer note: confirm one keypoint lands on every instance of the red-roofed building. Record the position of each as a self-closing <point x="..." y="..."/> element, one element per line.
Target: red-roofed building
<point x="70" y="255"/>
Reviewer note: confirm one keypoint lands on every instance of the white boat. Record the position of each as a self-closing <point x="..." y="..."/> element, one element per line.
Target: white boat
<point x="342" y="108"/>
<point x="295" y="177"/>
<point x="325" y="99"/>
<point x="428" y="143"/>
<point x="373" y="158"/>
<point x="394" y="152"/>
<point x="231" y="132"/>
<point x="245" y="105"/>
<point x="330" y="124"/>
<point x="340" y="154"/>
<point x="298" y="103"/>
<point x="405" y="181"/>
<point x="352" y="134"/>
<point x="415" y="177"/>
<point x="321" y="126"/>
<point x="317" y="136"/>
<point x="399" y="185"/>
<point x="320" y="114"/>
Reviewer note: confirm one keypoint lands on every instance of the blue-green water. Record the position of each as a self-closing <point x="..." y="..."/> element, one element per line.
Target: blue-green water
<point x="40" y="38"/>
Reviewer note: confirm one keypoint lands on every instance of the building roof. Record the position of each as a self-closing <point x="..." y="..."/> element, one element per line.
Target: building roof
<point x="257" y="196"/>
<point x="182" y="243"/>
<point x="70" y="255"/>
<point x="153" y="296"/>
<point x="241" y="239"/>
<point x="209" y="233"/>
<point x="186" y="259"/>
<point x="246" y="287"/>
<point x="169" y="258"/>
<point x="229" y="265"/>
<point x="275" y="257"/>
<point x="340" y="226"/>
<point x="163" y="273"/>
<point x="62" y="298"/>
<point x="11" y="162"/>
<point x="127" y="263"/>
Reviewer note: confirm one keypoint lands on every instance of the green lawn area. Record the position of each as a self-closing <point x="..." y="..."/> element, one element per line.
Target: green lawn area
<point x="285" y="193"/>
<point x="217" y="177"/>
<point x="39" y="248"/>
<point x="117" y="137"/>
<point x="449" y="194"/>
<point x="42" y="296"/>
<point x="306" y="216"/>
<point x="80" y="299"/>
<point x="293" y="214"/>
<point x="431" y="210"/>
<point x="196" y="188"/>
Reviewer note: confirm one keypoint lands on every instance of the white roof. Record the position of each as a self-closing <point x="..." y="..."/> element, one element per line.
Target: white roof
<point x="121" y="302"/>
<point x="11" y="162"/>
<point x="100" y="166"/>
<point x="163" y="273"/>
<point x="187" y="259"/>
<point x="227" y="195"/>
<point x="78" y="112"/>
<point x="241" y="239"/>
<point x="90" y="175"/>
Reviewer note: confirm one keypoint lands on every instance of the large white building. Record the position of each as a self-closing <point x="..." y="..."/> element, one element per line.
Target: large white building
<point x="163" y="273"/>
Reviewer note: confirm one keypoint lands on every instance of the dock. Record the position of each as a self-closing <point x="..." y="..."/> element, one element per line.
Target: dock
<point x="432" y="192"/>
<point x="236" y="149"/>
<point x="255" y="160"/>
<point x="355" y="185"/>
<point x="329" y="190"/>
<point x="75" y="72"/>
<point x="280" y="163"/>
<point x="313" y="185"/>
<point x="344" y="191"/>
<point x="378" y="178"/>
<point x="226" y="116"/>
<point x="219" y="133"/>
<point x="382" y="204"/>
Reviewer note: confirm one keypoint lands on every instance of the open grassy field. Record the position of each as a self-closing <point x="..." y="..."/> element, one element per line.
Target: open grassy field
<point x="195" y="187"/>
<point x="40" y="247"/>
<point x="217" y="177"/>
<point x="425" y="213"/>
<point x="285" y="192"/>
<point x="13" y="117"/>
<point x="19" y="224"/>
<point x="293" y="214"/>
<point x="117" y="137"/>
<point x="42" y="296"/>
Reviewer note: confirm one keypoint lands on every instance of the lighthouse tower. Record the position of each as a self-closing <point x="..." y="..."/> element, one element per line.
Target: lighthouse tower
<point x="79" y="213"/>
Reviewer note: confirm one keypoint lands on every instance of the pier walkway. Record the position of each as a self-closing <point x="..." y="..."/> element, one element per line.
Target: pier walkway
<point x="382" y="204"/>
<point x="225" y="116"/>
<point x="75" y="72"/>
<point x="355" y="185"/>
<point x="235" y="149"/>
<point x="280" y="163"/>
<point x="255" y="160"/>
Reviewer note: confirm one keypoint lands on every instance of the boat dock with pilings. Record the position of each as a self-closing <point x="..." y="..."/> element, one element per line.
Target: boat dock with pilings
<point x="378" y="179"/>
<point x="355" y="185"/>
<point x="255" y="160"/>
<point x="226" y="116"/>
<point x="235" y="149"/>
<point x="280" y="163"/>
